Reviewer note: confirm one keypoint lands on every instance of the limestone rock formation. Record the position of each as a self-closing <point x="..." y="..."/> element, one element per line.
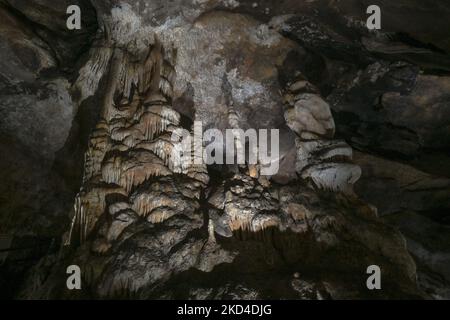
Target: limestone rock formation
<point x="325" y="162"/>
<point x="95" y="169"/>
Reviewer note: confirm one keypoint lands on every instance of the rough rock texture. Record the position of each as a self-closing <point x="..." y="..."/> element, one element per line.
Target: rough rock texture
<point x="322" y="161"/>
<point x="90" y="176"/>
<point x="39" y="113"/>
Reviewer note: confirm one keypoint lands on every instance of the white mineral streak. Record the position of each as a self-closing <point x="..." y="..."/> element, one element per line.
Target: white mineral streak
<point x="91" y="73"/>
<point x="88" y="206"/>
<point x="76" y="220"/>
<point x="211" y="235"/>
<point x="245" y="89"/>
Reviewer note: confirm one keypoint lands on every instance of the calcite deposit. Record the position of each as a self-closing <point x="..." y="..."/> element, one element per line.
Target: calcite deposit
<point x="97" y="171"/>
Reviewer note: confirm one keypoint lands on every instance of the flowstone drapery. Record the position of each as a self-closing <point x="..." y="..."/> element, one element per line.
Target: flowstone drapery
<point x="131" y="157"/>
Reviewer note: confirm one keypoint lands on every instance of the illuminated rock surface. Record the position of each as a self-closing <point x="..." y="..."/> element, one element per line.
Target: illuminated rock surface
<point x="90" y="176"/>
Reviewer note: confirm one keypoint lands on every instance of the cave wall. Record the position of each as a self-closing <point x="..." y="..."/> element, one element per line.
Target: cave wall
<point x="387" y="90"/>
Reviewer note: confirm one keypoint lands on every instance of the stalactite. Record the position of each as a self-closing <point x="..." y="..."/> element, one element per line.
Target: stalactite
<point x="165" y="87"/>
<point x="136" y="138"/>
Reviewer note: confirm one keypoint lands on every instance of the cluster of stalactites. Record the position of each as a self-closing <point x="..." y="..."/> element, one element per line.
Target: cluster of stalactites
<point x="324" y="162"/>
<point x="133" y="144"/>
<point x="243" y="203"/>
<point x="152" y="77"/>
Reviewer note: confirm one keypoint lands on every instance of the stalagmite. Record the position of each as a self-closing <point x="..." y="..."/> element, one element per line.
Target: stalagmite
<point x="324" y="162"/>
